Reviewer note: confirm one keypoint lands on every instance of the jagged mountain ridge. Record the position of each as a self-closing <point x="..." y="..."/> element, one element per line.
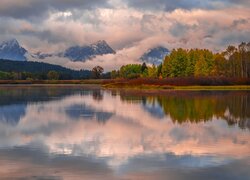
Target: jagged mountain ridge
<point x="82" y="53"/>
<point x="12" y="50"/>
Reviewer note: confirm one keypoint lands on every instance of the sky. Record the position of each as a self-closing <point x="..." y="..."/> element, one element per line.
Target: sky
<point x="131" y="27"/>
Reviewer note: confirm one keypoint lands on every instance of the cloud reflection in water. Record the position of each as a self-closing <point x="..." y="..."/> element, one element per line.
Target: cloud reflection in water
<point x="119" y="135"/>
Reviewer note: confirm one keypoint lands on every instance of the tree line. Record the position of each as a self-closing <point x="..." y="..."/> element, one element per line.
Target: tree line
<point x="16" y="70"/>
<point x="233" y="62"/>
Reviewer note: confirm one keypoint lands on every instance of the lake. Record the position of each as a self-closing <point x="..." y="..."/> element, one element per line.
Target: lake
<point x="72" y="132"/>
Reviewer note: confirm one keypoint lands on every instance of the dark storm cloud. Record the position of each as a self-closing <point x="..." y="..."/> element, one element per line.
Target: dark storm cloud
<point x="245" y="2"/>
<point x="234" y="37"/>
<point x="239" y="22"/>
<point x="25" y="9"/>
<point x="170" y="5"/>
<point x="178" y="29"/>
<point x="45" y="35"/>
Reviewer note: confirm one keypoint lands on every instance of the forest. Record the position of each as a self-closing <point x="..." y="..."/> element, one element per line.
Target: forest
<point x="16" y="70"/>
<point x="234" y="62"/>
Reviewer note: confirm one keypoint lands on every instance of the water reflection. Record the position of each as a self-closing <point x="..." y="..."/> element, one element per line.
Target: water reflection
<point x="196" y="107"/>
<point x="11" y="114"/>
<point x="77" y="133"/>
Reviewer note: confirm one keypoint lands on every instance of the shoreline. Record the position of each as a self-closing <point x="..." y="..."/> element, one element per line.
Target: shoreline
<point x="181" y="88"/>
<point x="51" y="82"/>
<point x="106" y="84"/>
<point x="50" y="85"/>
<point x="141" y="88"/>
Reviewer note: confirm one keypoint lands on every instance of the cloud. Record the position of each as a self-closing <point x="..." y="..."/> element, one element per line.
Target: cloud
<point x="130" y="27"/>
<point x="23" y="9"/>
<point x="171" y="5"/>
<point x="180" y="28"/>
<point x="46" y="35"/>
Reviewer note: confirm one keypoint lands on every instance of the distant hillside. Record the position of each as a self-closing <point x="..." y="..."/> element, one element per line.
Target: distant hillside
<point x="41" y="68"/>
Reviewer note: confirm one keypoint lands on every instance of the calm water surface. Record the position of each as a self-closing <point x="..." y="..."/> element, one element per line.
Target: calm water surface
<point x="89" y="133"/>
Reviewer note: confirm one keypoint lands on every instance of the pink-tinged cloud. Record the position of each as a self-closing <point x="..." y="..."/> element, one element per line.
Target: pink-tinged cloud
<point x="129" y="27"/>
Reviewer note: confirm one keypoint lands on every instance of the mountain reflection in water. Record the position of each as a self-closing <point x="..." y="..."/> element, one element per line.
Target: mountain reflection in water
<point x="79" y="132"/>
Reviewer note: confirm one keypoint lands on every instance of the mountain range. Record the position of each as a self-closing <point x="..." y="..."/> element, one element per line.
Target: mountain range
<point x="12" y="50"/>
<point x="80" y="53"/>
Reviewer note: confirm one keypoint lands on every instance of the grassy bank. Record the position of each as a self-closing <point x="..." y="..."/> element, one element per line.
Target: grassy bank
<point x="155" y="87"/>
<point x="180" y="84"/>
<point x="148" y="84"/>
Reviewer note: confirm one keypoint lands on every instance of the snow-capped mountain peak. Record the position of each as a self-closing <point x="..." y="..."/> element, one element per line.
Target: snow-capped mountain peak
<point x="82" y="53"/>
<point x="11" y="50"/>
<point x="12" y="43"/>
<point x="100" y="42"/>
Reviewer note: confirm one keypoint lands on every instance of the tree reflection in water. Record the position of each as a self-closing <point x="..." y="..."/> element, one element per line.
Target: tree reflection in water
<point x="198" y="106"/>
